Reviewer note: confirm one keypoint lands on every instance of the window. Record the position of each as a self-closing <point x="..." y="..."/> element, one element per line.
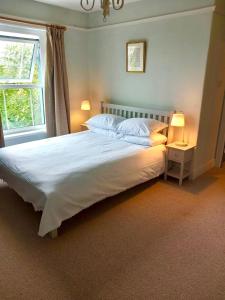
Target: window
<point x="21" y="84"/>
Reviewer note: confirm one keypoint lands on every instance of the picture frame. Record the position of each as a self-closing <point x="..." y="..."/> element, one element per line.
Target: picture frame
<point x="136" y="56"/>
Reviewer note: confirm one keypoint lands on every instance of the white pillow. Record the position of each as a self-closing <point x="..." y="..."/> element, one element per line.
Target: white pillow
<point x="157" y="139"/>
<point x="110" y="133"/>
<point x="154" y="139"/>
<point x="140" y="126"/>
<point x="105" y="121"/>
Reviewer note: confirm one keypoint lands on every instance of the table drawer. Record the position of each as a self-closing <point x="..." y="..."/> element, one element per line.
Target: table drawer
<point x="179" y="155"/>
<point x="176" y="155"/>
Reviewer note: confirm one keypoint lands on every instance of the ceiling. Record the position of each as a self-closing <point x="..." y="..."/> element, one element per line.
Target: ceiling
<point x="75" y="4"/>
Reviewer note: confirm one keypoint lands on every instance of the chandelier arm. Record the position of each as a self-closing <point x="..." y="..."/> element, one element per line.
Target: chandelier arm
<point x="105" y="5"/>
<point x="85" y="8"/>
<point x="118" y="3"/>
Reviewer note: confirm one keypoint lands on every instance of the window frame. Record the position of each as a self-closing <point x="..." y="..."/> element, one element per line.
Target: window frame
<point x="40" y="41"/>
<point x="32" y="66"/>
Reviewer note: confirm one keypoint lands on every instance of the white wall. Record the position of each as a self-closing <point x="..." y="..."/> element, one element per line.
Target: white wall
<point x="42" y="12"/>
<point x="176" y="63"/>
<point x="76" y="48"/>
<point x="147" y="8"/>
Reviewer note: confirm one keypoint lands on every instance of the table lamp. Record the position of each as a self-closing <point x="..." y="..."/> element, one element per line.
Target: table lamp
<point x="85" y="105"/>
<point x="178" y="120"/>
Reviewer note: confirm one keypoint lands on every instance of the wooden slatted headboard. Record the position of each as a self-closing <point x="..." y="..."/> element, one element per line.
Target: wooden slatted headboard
<point x="137" y="112"/>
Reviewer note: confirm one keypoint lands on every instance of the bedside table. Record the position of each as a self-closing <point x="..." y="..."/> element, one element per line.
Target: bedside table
<point x="83" y="127"/>
<point x="178" y="161"/>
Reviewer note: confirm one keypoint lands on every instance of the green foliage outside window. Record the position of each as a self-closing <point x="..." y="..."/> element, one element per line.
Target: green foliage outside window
<point x="15" y="60"/>
<point x="20" y="106"/>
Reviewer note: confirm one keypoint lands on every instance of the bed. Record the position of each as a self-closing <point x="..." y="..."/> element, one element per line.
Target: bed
<point x="61" y="176"/>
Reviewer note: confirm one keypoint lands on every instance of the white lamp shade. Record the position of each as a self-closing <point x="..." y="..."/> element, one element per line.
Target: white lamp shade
<point x="178" y="120"/>
<point x="85" y="105"/>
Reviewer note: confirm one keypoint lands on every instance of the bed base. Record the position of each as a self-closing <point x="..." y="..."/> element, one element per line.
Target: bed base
<point x="130" y="112"/>
<point x="53" y="234"/>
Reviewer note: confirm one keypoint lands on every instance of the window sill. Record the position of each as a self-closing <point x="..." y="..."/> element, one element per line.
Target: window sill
<point x="24" y="137"/>
<point x="24" y="130"/>
<point x="24" y="133"/>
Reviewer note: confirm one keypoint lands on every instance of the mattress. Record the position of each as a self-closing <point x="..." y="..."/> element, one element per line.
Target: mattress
<point x="63" y="175"/>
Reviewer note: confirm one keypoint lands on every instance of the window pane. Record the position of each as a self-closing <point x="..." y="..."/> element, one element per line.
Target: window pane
<point x="16" y="60"/>
<point x="21" y="92"/>
<point x="2" y="110"/>
<point x="22" y="107"/>
<point x="38" y="109"/>
<point x="36" y="75"/>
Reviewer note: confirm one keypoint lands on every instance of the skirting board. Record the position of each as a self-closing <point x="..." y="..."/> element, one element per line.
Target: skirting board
<point x="203" y="168"/>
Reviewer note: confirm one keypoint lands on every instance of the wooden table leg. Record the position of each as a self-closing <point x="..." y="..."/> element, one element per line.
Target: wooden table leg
<point x="53" y="234"/>
<point x="181" y="174"/>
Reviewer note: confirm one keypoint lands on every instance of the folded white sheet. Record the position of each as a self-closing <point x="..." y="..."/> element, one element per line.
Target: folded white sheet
<point x="66" y="174"/>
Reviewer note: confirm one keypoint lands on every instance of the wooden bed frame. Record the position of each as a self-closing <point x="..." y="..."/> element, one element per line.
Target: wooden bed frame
<point x="137" y="112"/>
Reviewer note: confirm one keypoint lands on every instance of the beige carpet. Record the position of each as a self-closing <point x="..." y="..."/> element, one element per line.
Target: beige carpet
<point x="156" y="241"/>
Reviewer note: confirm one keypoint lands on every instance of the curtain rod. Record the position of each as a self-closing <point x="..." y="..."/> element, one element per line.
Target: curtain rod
<point x="31" y="22"/>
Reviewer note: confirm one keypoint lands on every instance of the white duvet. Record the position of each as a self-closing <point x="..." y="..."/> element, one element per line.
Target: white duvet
<point x="62" y="176"/>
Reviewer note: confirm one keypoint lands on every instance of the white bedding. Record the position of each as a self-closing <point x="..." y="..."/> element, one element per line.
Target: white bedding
<point x="62" y="176"/>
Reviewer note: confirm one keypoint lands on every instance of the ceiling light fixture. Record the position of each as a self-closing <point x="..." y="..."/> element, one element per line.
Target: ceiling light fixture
<point x="88" y="5"/>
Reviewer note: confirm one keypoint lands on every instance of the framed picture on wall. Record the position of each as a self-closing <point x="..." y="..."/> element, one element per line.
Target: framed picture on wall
<point x="136" y="56"/>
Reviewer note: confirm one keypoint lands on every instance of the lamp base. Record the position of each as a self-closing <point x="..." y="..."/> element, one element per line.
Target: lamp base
<point x="181" y="144"/>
